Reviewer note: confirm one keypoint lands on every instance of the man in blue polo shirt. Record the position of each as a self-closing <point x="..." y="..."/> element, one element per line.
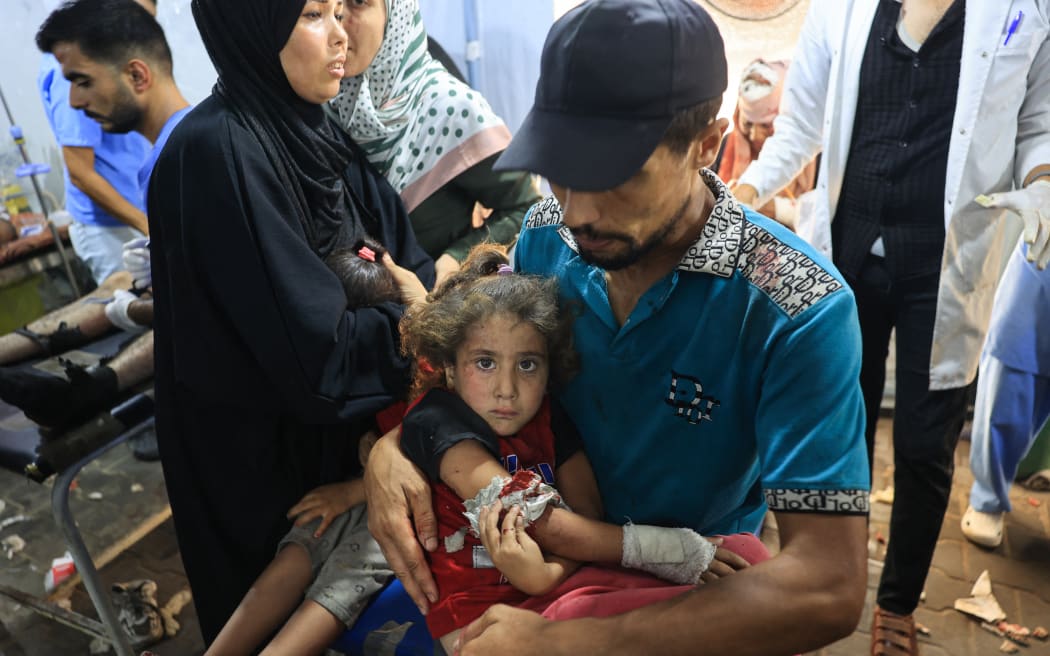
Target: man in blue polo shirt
<point x="717" y="360"/>
<point x="101" y="173"/>
<point x="720" y="354"/>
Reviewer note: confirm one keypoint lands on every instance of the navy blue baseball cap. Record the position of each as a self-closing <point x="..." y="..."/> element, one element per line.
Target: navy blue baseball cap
<point x="612" y="76"/>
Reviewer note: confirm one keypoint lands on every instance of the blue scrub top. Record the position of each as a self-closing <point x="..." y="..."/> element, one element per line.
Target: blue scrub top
<point x="151" y="160"/>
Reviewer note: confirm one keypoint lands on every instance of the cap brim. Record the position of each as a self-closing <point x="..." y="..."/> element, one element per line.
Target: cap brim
<point x="582" y="152"/>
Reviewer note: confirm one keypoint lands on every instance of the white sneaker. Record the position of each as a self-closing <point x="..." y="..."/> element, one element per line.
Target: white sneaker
<point x="985" y="529"/>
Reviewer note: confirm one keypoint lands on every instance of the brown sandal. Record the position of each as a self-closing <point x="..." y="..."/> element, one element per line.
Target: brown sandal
<point x="892" y="634"/>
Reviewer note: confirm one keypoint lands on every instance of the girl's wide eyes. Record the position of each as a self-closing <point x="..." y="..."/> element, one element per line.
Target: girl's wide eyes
<point x="485" y="363"/>
<point x="528" y="365"/>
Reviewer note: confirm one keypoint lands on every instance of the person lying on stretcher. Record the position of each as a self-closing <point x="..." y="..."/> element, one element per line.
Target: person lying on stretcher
<point x="122" y="302"/>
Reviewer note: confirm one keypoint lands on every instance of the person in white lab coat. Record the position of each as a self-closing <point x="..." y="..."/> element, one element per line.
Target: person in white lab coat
<point x="906" y="100"/>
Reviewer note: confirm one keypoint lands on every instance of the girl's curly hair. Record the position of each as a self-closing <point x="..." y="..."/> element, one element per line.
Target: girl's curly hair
<point x="432" y="332"/>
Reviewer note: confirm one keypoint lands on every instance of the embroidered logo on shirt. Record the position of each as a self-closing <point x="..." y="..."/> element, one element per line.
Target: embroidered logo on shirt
<point x="687" y="398"/>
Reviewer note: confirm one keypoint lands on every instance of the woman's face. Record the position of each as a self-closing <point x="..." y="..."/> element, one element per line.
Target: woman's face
<point x="365" y="23"/>
<point x="314" y="57"/>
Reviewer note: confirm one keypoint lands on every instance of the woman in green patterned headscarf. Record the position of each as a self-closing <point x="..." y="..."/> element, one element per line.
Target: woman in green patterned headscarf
<point x="432" y="136"/>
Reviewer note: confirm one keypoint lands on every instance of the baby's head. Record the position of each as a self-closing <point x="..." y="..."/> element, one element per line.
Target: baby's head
<point x="496" y="338"/>
<point x="365" y="280"/>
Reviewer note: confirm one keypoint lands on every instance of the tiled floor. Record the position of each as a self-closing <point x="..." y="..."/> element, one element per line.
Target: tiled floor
<point x="1019" y="569"/>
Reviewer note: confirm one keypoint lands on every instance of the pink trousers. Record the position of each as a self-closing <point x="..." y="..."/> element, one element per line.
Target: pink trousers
<point x="598" y="591"/>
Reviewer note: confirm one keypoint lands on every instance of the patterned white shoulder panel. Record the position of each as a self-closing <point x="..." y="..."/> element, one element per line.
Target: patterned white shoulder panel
<point x="788" y="276"/>
<point x="548" y="212"/>
<point x="544" y="213"/>
<point x="730" y="242"/>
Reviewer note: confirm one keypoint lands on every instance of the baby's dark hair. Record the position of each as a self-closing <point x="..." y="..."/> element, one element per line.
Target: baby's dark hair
<point x="432" y="332"/>
<point x="366" y="283"/>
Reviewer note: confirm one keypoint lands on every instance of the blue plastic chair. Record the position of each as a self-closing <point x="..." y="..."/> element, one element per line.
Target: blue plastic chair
<point x="390" y="625"/>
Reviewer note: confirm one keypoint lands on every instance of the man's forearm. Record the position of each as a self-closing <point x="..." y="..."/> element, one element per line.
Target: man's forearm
<point x="797" y="601"/>
<point x="99" y="190"/>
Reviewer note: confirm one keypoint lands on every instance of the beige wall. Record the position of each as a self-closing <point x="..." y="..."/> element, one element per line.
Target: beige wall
<point x="745" y="40"/>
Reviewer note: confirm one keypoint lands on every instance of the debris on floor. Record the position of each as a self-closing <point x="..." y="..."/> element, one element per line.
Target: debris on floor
<point x="95" y="496"/>
<point x="174" y="606"/>
<point x="982" y="603"/>
<point x="1015" y="632"/>
<point x="1039" y="481"/>
<point x="61" y="569"/>
<point x="1035" y="503"/>
<point x="1040" y="633"/>
<point x="1008" y="647"/>
<point x="11" y="545"/>
<point x="885" y="495"/>
<point x="922" y="629"/>
<point x="12" y="520"/>
<point x="1014" y="637"/>
<point x="137" y="487"/>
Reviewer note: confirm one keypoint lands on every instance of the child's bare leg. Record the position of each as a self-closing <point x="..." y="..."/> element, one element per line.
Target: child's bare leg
<point x="83" y="314"/>
<point x="267" y="604"/>
<point x="448" y="641"/>
<point x="309" y="631"/>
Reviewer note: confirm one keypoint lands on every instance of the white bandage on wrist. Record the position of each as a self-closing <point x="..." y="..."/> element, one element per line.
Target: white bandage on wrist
<point x="117" y="311"/>
<point x="679" y="555"/>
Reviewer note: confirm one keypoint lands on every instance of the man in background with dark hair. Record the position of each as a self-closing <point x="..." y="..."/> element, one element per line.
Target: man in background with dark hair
<point x="116" y="57"/>
<point x="102" y="192"/>
<point x="720" y="354"/>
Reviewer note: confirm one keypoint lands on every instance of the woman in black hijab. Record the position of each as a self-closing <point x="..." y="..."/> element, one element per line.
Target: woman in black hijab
<point x="262" y="371"/>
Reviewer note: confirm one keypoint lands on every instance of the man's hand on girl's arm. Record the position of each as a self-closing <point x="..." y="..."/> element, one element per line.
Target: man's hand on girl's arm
<point x="328" y="502"/>
<point x="401" y="517"/>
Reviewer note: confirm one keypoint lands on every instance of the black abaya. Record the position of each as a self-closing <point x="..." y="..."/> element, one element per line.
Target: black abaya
<point x="262" y="372"/>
